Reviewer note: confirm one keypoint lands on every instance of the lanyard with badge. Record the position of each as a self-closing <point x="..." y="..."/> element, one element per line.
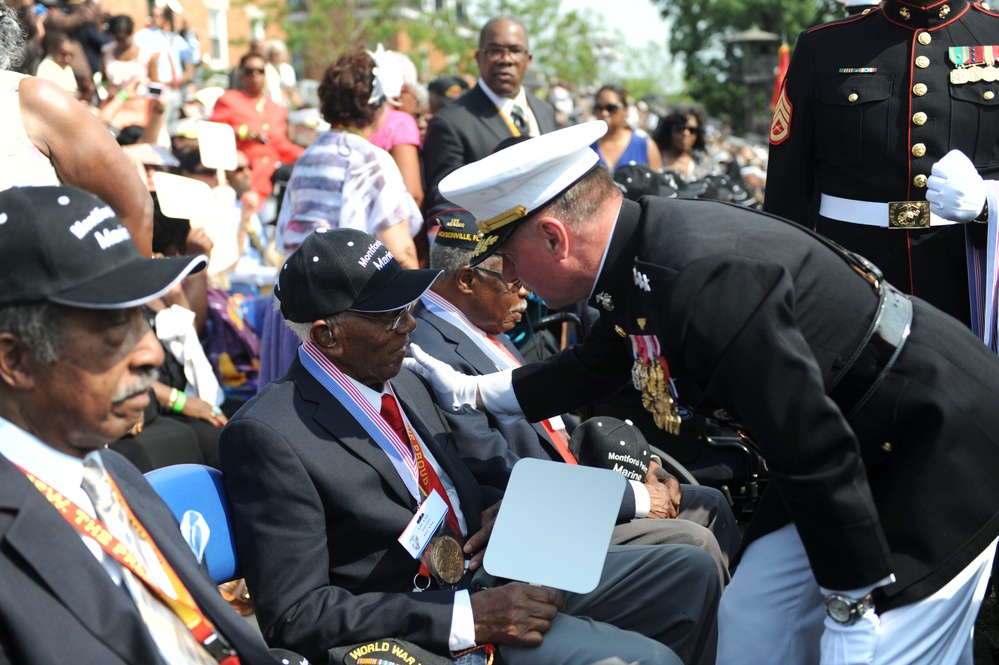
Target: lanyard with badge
<point x="429" y="537"/>
<point x="176" y="597"/>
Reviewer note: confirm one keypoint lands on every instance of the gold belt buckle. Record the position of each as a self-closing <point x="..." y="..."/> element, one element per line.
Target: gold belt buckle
<point x="908" y="214"/>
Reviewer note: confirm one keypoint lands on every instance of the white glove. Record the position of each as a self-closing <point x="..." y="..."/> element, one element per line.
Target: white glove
<point x="850" y="645"/>
<point x="452" y="387"/>
<point x="955" y="190"/>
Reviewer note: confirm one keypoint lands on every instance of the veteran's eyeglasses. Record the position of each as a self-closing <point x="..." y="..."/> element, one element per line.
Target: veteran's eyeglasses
<point x="393" y="319"/>
<point x="512" y="286"/>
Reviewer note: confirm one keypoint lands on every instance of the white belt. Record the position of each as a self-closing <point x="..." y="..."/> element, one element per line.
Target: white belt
<point x="894" y="215"/>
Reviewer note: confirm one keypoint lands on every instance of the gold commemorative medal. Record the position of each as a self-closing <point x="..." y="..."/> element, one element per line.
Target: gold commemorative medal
<point x="447" y="561"/>
<point x="650" y="376"/>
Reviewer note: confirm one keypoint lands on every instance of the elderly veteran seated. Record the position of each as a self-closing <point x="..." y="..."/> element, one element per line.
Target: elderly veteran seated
<point x="93" y="565"/>
<point x="327" y="467"/>
<point x="462" y="319"/>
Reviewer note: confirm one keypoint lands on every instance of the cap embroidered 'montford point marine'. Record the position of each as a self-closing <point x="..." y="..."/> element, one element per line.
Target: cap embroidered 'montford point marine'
<point x="66" y="246"/>
<point x="339" y="269"/>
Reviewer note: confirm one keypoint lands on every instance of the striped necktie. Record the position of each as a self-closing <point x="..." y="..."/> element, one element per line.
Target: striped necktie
<point x="175" y="642"/>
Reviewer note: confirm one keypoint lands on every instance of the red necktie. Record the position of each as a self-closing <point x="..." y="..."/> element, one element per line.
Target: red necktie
<point x="391" y="414"/>
<point x="428" y="478"/>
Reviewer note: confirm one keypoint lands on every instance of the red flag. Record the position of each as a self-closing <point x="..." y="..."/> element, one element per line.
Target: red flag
<point x="783" y="60"/>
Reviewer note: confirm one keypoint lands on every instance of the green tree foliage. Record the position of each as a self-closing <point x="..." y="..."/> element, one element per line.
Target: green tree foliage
<point x="699" y="29"/>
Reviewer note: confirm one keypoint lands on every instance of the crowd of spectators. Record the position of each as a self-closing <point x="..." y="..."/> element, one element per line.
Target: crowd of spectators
<point x="245" y="173"/>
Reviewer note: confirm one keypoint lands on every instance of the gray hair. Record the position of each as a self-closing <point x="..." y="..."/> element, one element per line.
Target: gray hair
<point x="38" y="325"/>
<point x="302" y="330"/>
<point x="12" y="39"/>
<point x="449" y="259"/>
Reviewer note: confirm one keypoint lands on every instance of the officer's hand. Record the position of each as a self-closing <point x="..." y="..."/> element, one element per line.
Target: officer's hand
<point x="454" y="390"/>
<point x="955" y="190"/>
<point x="518" y="614"/>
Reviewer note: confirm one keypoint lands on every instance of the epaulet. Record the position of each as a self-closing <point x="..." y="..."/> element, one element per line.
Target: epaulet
<point x="986" y="8"/>
<point x="846" y="20"/>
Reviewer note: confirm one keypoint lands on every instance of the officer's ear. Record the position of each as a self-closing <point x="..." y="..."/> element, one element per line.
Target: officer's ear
<point x="555" y="236"/>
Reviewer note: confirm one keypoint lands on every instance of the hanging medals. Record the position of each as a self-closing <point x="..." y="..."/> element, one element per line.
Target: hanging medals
<point x="447" y="560"/>
<point x="650" y="376"/>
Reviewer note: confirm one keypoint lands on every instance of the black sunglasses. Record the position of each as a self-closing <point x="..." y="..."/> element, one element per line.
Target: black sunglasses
<point x="610" y="108"/>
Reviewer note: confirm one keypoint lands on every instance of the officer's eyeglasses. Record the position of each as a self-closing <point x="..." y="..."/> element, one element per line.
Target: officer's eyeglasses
<point x="517" y="53"/>
<point x="393" y="318"/>
<point x="512" y="286"/>
<point x="611" y="109"/>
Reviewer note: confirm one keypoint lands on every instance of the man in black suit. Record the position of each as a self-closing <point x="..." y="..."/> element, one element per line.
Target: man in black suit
<point x="76" y="360"/>
<point x="462" y="321"/>
<point x="326" y="468"/>
<point x="498" y="108"/>
<point x="860" y="398"/>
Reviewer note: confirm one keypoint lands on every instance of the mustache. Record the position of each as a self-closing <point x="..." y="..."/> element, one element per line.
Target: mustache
<point x="139" y="384"/>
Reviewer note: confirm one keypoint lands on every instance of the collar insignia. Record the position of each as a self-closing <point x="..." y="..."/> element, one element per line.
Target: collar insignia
<point x="605" y="300"/>
<point x="641" y="280"/>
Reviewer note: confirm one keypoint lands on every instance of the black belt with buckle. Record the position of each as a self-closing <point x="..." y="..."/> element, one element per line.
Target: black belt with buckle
<point x="874" y="357"/>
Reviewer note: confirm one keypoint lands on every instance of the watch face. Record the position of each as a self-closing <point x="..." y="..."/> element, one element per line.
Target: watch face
<point x="838" y="609"/>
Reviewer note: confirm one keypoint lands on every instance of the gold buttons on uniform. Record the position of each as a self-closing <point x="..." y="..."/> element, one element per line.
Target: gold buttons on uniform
<point x="919" y="150"/>
<point x="922" y="62"/>
<point x="853" y="97"/>
<point x="988" y="95"/>
<point x="919" y="89"/>
<point x="919" y="180"/>
<point x="919" y="119"/>
<point x="924" y="38"/>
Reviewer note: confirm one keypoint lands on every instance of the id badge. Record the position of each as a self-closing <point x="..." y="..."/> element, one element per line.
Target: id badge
<point x="428" y="538"/>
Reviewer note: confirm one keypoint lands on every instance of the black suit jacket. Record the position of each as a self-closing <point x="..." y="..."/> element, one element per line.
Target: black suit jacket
<point x="317" y="510"/>
<point x="489" y="447"/>
<point x="58" y="604"/>
<point x="468" y="129"/>
<point x="756" y="317"/>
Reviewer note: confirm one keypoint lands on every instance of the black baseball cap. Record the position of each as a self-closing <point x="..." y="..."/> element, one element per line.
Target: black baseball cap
<point x="66" y="246"/>
<point x="457" y="226"/>
<point x="609" y="443"/>
<point x="339" y="269"/>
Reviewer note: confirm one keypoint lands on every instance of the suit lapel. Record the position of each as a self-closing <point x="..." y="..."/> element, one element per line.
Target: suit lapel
<point x="489" y="116"/>
<point x="544" y="126"/>
<point x="162" y="528"/>
<point x="343" y="427"/>
<point x="52" y="548"/>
